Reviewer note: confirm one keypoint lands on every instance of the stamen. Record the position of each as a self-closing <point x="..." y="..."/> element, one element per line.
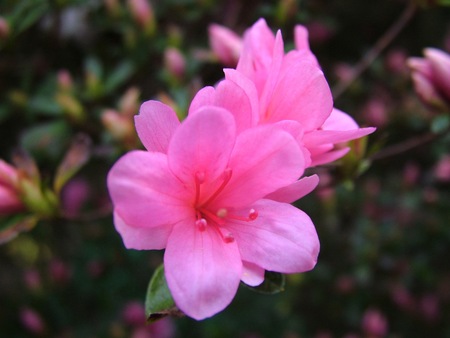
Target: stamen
<point x="222" y="213"/>
<point x="201" y="224"/>
<point x="226" y="178"/>
<point x="199" y="179"/>
<point x="253" y="214"/>
<point x="214" y="218"/>
<point x="229" y="238"/>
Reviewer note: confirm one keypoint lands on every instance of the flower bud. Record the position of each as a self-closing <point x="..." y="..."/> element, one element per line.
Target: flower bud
<point x="374" y="324"/>
<point x="174" y="62"/>
<point x="225" y="44"/>
<point x="120" y="127"/>
<point x="10" y="201"/>
<point x="142" y="12"/>
<point x="431" y="77"/>
<point x="129" y="102"/>
<point x="4" y="28"/>
<point x="32" y="321"/>
<point x="65" y="81"/>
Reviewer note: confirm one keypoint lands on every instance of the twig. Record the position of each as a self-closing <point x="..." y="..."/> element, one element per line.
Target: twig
<point x="375" y="51"/>
<point x="405" y="146"/>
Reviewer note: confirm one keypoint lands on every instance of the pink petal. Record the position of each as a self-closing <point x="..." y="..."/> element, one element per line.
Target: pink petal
<point x="440" y="64"/>
<point x="295" y="191"/>
<point x="252" y="274"/>
<point x="338" y="120"/>
<point x="301" y="37"/>
<point x="9" y="201"/>
<point x="282" y="238"/>
<point x="264" y="159"/>
<point x="155" y="125"/>
<point x="202" y="144"/>
<point x="204" y="97"/>
<point x="202" y="271"/>
<point x="301" y="94"/>
<point x="8" y="174"/>
<point x="328" y="157"/>
<point x="142" y="238"/>
<point x="144" y="191"/>
<point x="319" y="137"/>
<point x="249" y="88"/>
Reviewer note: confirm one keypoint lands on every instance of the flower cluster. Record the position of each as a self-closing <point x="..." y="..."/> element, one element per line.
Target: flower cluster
<point x="214" y="190"/>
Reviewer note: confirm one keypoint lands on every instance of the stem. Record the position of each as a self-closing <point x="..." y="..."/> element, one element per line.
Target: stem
<point x="405" y="146"/>
<point x="375" y="51"/>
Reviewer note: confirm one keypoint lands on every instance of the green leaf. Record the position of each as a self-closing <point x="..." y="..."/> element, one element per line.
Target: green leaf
<point x="440" y="124"/>
<point x="118" y="76"/>
<point x="27" y="13"/>
<point x="274" y="282"/>
<point x="158" y="301"/>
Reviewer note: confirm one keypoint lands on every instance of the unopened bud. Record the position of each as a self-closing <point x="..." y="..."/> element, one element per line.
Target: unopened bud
<point x="129" y="103"/>
<point x="4" y="28"/>
<point x="174" y="62"/>
<point x="65" y="81"/>
<point x="225" y="44"/>
<point x="142" y="12"/>
<point x="120" y="127"/>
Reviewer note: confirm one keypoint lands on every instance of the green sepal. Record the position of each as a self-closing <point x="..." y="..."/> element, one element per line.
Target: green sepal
<point x="158" y="300"/>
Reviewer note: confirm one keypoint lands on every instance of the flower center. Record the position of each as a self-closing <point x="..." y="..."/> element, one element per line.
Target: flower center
<point x="216" y="219"/>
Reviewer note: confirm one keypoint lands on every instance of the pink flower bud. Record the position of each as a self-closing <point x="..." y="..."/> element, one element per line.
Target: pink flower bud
<point x="143" y="13"/>
<point x="32" y="321"/>
<point x="442" y="169"/>
<point x="4" y="28"/>
<point x="129" y="102"/>
<point x="133" y="313"/>
<point x="59" y="271"/>
<point x="74" y="196"/>
<point x="374" y="323"/>
<point x="431" y="77"/>
<point x="225" y="44"/>
<point x="174" y="62"/>
<point x="10" y="201"/>
<point x="65" y="81"/>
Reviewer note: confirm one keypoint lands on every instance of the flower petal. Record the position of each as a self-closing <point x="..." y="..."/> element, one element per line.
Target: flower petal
<point x="282" y="238"/>
<point x="319" y="137"/>
<point x="142" y="238"/>
<point x="144" y="191"/>
<point x="202" y="271"/>
<point x="202" y="143"/>
<point x="252" y="274"/>
<point x="327" y="157"/>
<point x="155" y="125"/>
<point x="204" y="97"/>
<point x="264" y="159"/>
<point x="295" y="191"/>
<point x="300" y="80"/>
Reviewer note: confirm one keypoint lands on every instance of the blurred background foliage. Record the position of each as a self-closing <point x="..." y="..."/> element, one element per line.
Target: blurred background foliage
<point x="82" y="67"/>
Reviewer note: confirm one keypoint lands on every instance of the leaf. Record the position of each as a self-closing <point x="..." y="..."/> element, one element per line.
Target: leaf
<point x="158" y="301"/>
<point x="27" y="13"/>
<point x="274" y="282"/>
<point x="118" y="76"/>
<point x="11" y="226"/>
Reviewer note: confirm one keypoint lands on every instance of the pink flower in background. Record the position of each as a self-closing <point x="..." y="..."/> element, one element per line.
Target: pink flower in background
<point x="269" y="86"/>
<point x="9" y="192"/>
<point x="431" y="77"/>
<point x="225" y="44"/>
<point x="199" y="193"/>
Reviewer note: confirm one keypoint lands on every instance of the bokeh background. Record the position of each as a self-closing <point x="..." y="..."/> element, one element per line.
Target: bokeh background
<point x="82" y="67"/>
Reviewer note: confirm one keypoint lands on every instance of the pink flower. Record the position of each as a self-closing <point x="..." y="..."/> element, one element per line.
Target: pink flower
<point x="199" y="192"/>
<point x="269" y="86"/>
<point x="225" y="44"/>
<point x="10" y="201"/>
<point x="431" y="77"/>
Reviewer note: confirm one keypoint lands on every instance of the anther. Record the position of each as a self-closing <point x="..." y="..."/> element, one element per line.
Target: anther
<point x="222" y="213"/>
<point x="228" y="238"/>
<point x="253" y="214"/>
<point x="201" y="224"/>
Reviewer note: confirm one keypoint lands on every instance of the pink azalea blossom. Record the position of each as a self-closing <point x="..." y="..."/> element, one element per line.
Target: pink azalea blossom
<point x="269" y="87"/>
<point x="431" y="77"/>
<point x="200" y="192"/>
